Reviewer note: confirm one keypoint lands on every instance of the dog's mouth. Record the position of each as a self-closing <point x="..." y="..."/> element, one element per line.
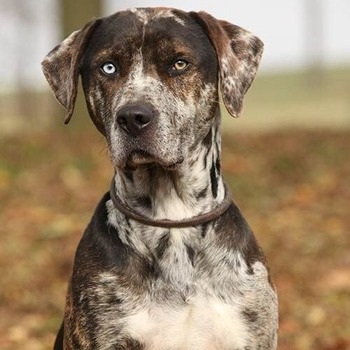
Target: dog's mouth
<point x="141" y="158"/>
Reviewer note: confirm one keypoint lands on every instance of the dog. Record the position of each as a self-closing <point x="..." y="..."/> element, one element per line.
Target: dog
<point x="167" y="261"/>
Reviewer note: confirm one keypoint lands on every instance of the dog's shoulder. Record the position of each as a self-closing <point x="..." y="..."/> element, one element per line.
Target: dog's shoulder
<point x="234" y="232"/>
<point x="100" y="246"/>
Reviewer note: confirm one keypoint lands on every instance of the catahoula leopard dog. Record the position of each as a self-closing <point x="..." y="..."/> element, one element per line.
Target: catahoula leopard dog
<point x="168" y="261"/>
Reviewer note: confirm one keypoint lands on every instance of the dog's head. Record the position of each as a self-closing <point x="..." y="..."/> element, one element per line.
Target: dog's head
<point x="150" y="78"/>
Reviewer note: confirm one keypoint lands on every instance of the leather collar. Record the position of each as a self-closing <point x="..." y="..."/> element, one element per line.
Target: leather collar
<point x="165" y="223"/>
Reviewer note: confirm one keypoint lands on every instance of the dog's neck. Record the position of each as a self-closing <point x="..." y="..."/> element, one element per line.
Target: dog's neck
<point x="192" y="188"/>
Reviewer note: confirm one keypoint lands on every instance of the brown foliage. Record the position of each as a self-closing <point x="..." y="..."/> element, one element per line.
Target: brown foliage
<point x="293" y="187"/>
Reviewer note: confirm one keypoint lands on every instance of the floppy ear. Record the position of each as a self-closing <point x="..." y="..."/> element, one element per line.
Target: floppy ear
<point x="61" y="66"/>
<point x="238" y="52"/>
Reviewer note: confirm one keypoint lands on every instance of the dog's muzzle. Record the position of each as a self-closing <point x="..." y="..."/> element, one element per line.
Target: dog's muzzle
<point x="139" y="135"/>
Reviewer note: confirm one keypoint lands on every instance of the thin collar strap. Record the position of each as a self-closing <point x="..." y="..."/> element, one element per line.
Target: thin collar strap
<point x="165" y="223"/>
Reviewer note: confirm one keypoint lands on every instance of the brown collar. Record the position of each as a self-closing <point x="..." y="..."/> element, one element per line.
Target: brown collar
<point x="165" y="223"/>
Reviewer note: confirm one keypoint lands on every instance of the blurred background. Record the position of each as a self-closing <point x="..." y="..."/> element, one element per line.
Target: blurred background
<point x="287" y="160"/>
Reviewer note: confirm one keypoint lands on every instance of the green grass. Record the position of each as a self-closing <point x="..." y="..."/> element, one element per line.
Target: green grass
<point x="296" y="100"/>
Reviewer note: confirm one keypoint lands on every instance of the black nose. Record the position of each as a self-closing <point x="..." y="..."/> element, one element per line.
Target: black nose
<point x="134" y="118"/>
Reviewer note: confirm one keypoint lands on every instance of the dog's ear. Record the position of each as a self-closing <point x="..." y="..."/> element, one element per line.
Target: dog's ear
<point x="238" y="52"/>
<point x="61" y="66"/>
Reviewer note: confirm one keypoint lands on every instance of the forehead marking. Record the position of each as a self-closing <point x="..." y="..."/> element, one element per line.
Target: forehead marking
<point x="146" y="17"/>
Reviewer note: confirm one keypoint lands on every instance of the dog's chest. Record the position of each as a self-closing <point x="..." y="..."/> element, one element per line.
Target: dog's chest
<point x="197" y="296"/>
<point x="190" y="304"/>
<point x="200" y="324"/>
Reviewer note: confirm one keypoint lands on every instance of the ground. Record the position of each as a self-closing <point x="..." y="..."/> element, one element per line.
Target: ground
<point x="286" y="161"/>
<point x="293" y="187"/>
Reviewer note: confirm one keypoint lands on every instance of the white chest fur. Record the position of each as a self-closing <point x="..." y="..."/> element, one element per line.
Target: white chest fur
<point x="202" y="324"/>
<point x="160" y="319"/>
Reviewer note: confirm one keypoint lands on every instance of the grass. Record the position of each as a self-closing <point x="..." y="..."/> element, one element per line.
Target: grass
<point x="296" y="100"/>
<point x="291" y="184"/>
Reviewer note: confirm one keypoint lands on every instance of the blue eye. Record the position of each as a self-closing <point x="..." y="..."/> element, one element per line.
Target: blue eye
<point x="108" y="68"/>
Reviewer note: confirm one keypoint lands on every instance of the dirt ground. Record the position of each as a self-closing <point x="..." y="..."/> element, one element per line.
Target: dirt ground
<point x="293" y="188"/>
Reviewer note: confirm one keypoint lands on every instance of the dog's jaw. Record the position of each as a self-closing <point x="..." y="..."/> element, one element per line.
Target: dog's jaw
<point x="179" y="192"/>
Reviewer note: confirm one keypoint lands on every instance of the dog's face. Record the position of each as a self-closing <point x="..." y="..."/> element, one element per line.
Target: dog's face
<point x="150" y="78"/>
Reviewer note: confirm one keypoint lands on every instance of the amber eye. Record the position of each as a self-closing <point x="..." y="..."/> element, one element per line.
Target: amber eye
<point x="180" y="65"/>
